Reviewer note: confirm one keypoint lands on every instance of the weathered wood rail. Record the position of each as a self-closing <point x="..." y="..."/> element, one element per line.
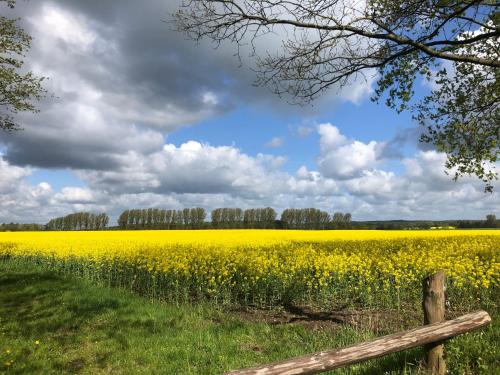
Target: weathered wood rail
<point x="334" y="359"/>
<point x="430" y="335"/>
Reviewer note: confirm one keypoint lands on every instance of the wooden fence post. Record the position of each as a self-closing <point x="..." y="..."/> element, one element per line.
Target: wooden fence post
<point x="434" y="308"/>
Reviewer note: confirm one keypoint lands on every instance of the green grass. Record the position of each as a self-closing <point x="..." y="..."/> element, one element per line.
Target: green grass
<point x="89" y="329"/>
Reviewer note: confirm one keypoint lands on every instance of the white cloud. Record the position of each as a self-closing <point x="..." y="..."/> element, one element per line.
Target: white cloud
<point x="196" y="174"/>
<point x="428" y="168"/>
<point x="192" y="167"/>
<point x="210" y="98"/>
<point x="11" y="175"/>
<point x="311" y="183"/>
<point x="75" y="195"/>
<point x="379" y="184"/>
<point x="360" y="87"/>
<point x="122" y="82"/>
<point x="64" y="26"/>
<point x="341" y="158"/>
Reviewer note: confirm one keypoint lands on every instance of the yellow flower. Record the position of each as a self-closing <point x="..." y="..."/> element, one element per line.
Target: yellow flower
<point x="264" y="264"/>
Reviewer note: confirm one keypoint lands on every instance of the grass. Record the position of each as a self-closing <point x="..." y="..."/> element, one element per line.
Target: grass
<point x="53" y="324"/>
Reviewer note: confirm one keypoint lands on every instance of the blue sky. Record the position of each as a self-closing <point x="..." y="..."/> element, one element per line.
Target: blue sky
<point x="141" y="117"/>
<point x="251" y="129"/>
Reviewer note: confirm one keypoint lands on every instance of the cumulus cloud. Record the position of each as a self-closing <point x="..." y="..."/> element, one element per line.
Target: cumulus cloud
<point x="122" y="81"/>
<point x="192" y="167"/>
<point x="422" y="190"/>
<point x="18" y="198"/>
<point x="10" y="175"/>
<point x="313" y="183"/>
<point x="341" y="158"/>
<point x="75" y="195"/>
<point x="375" y="185"/>
<point x="428" y="168"/>
<point x="196" y="174"/>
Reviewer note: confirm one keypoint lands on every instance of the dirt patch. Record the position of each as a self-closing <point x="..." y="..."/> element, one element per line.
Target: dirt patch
<point x="377" y="321"/>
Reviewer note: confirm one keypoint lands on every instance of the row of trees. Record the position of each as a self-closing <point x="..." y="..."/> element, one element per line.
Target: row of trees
<point x="313" y="218"/>
<point x="79" y="221"/>
<point x="306" y="218"/>
<point x="259" y="218"/>
<point x="490" y="222"/>
<point x="154" y="218"/>
<point x="232" y="218"/>
<point x="21" y="227"/>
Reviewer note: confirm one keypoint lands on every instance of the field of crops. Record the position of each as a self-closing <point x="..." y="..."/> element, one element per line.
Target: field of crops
<point x="270" y="267"/>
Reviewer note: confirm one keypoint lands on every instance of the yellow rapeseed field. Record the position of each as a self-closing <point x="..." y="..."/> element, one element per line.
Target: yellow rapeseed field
<point x="266" y="266"/>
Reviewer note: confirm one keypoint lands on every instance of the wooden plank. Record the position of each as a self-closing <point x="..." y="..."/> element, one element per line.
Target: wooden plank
<point x="433" y="303"/>
<point x="330" y="360"/>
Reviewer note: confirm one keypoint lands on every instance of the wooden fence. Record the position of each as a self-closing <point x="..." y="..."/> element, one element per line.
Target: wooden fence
<point x="431" y="335"/>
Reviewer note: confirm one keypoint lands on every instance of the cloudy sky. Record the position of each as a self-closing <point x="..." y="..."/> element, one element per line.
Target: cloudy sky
<point x="142" y="117"/>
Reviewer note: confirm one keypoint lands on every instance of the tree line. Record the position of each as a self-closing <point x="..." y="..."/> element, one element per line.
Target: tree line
<point x="232" y="218"/>
<point x="306" y="218"/>
<point x="154" y="218"/>
<point x="490" y="222"/>
<point x="21" y="227"/>
<point x="79" y="221"/>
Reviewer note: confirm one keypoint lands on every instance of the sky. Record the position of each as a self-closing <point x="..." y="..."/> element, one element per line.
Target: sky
<point x="139" y="116"/>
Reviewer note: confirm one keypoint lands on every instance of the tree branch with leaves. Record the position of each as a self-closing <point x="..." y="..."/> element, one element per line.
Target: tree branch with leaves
<point x="18" y="89"/>
<point x="455" y="45"/>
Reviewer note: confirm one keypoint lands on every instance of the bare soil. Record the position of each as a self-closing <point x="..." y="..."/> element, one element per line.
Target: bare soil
<point x="377" y="321"/>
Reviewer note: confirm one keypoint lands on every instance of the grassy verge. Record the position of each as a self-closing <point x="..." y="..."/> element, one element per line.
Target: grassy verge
<point x="52" y="324"/>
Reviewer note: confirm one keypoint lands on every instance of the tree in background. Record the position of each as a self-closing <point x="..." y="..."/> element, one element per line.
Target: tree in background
<point x="79" y="221"/>
<point x="259" y="218"/>
<point x="198" y="216"/>
<point x="491" y="221"/>
<point x="452" y="44"/>
<point x="18" y="87"/>
<point x="17" y="227"/>
<point x="227" y="218"/>
<point x="305" y="218"/>
<point x="155" y="218"/>
<point x="123" y="219"/>
<point x="341" y="221"/>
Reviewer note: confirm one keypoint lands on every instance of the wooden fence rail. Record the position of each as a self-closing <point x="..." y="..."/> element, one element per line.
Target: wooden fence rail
<point x="330" y="360"/>
<point x="430" y="335"/>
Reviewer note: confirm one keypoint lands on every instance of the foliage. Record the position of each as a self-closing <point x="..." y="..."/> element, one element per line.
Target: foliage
<point x="79" y="221"/>
<point x="452" y="44"/>
<point x="18" y="89"/>
<point x="266" y="267"/>
<point x="20" y="227"/>
<point x="231" y="218"/>
<point x="261" y="218"/>
<point x="341" y="221"/>
<point x="155" y="218"/>
<point x="491" y="221"/>
<point x="305" y="218"/>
